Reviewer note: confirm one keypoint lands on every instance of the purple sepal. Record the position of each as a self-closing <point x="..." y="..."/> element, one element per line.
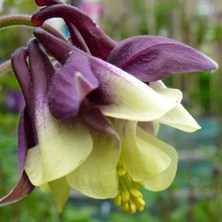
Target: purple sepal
<point x="42" y="71"/>
<point x="56" y="47"/>
<point x="151" y="58"/>
<point x="92" y="116"/>
<point x="97" y="41"/>
<point x="48" y="2"/>
<point x="22" y="73"/>
<point x="76" y="38"/>
<point x="71" y="85"/>
<point x="26" y="138"/>
<point x="21" y="190"/>
<point x="95" y="120"/>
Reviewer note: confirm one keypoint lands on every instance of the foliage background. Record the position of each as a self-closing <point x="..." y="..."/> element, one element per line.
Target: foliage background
<point x="196" y="194"/>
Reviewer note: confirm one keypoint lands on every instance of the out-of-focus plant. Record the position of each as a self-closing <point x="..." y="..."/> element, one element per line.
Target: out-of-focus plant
<point x="18" y="36"/>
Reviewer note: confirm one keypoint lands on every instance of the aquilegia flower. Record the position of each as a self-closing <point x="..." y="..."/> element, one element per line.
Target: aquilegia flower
<point x="92" y="112"/>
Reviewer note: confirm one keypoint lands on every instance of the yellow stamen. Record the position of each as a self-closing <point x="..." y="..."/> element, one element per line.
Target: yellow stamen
<point x="139" y="183"/>
<point x="140" y="208"/>
<point x="117" y="201"/>
<point x="129" y="195"/>
<point x="133" y="208"/>
<point x="121" y="172"/>
<point x="125" y="206"/>
<point x="135" y="192"/>
<point x="125" y="196"/>
<point x="141" y="201"/>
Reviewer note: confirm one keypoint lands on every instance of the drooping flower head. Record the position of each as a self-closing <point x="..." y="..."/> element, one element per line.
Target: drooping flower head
<point x="93" y="107"/>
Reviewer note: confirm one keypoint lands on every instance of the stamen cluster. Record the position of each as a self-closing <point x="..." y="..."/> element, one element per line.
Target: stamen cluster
<point x="129" y="195"/>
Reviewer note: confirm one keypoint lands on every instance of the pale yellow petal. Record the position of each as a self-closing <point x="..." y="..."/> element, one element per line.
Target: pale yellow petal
<point x="64" y="145"/>
<point x="180" y="118"/>
<point x="59" y="187"/>
<point x="97" y="176"/>
<point x="60" y="190"/>
<point x="131" y="99"/>
<point x="164" y="179"/>
<point x="142" y="158"/>
<point x="44" y="187"/>
<point x="33" y="167"/>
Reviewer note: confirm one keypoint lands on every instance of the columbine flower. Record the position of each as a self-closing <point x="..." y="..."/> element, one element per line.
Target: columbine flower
<point x="71" y="134"/>
<point x="85" y="122"/>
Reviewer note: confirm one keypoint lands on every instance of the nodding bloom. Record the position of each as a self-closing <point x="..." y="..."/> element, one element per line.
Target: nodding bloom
<point x="93" y="108"/>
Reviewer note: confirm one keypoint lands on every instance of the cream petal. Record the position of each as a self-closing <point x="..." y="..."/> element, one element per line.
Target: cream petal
<point x="142" y="158"/>
<point x="178" y="117"/>
<point x="97" y="176"/>
<point x="63" y="146"/>
<point x="33" y="167"/>
<point x="44" y="187"/>
<point x="164" y="179"/>
<point x="59" y="187"/>
<point x="128" y="98"/>
<point x="60" y="190"/>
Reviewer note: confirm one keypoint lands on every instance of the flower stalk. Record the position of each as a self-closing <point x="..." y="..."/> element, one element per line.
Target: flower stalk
<point x="5" y="67"/>
<point x="25" y="20"/>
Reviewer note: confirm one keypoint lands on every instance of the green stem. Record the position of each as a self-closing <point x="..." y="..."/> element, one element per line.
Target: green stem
<point x="15" y="20"/>
<point x="25" y="20"/>
<point x="5" y="67"/>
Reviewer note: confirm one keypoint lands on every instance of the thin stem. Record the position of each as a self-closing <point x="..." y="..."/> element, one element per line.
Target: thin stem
<point x="5" y="67"/>
<point x="25" y="20"/>
<point x="15" y="20"/>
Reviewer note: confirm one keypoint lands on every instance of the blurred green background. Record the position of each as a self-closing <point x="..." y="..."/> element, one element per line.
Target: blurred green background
<point x="196" y="194"/>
